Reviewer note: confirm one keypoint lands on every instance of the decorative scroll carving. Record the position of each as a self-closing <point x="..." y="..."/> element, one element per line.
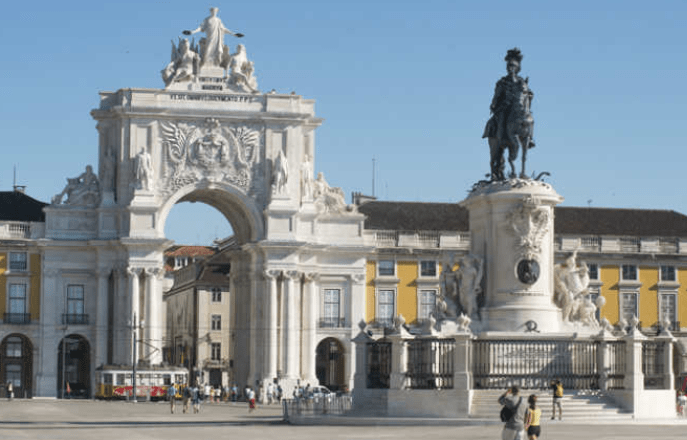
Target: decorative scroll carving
<point x="530" y="223"/>
<point x="195" y="151"/>
<point x="83" y="190"/>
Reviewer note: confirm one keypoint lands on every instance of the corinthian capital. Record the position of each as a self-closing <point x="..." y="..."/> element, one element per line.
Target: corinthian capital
<point x="133" y="271"/>
<point x="156" y="272"/>
<point x="310" y="276"/>
<point x="271" y="274"/>
<point x="292" y="274"/>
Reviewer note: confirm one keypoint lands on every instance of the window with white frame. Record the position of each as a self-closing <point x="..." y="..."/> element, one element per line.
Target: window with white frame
<point x="428" y="268"/>
<point x="594" y="293"/>
<point x="630" y="302"/>
<point x="18" y="262"/>
<point x="217" y="322"/>
<point x="387" y="268"/>
<point x="17" y="300"/>
<point x="668" y="307"/>
<point x="75" y="299"/>
<point x="628" y="272"/>
<point x="668" y="274"/>
<point x="593" y="271"/>
<point x="427" y="304"/>
<point x="331" y="308"/>
<point x="216" y="294"/>
<point x="216" y="351"/>
<point x="386" y="307"/>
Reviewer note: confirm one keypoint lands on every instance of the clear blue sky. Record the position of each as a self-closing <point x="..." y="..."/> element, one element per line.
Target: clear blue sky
<point x="407" y="82"/>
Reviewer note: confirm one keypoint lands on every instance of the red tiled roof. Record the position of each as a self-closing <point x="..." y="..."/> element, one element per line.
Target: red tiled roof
<point x="189" y="251"/>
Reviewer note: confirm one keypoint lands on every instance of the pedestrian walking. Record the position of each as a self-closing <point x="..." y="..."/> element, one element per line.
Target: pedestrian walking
<point x="514" y="429"/>
<point x="533" y="418"/>
<point x="234" y="392"/>
<point x="10" y="391"/>
<point x="557" y="388"/>
<point x="206" y="392"/>
<point x="250" y="396"/>
<point x="172" y="394"/>
<point x="681" y="404"/>
<point x="195" y="399"/>
<point x="186" y="396"/>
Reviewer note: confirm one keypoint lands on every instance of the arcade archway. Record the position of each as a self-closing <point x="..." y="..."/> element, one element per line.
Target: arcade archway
<point x="330" y="364"/>
<point x="74" y="368"/>
<point x="16" y="362"/>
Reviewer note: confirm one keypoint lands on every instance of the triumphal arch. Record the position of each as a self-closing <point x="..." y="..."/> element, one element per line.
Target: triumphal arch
<point x="209" y="135"/>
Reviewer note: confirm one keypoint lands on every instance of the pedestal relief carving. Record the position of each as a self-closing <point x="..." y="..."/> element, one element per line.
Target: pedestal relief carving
<point x="529" y="223"/>
<point x="197" y="150"/>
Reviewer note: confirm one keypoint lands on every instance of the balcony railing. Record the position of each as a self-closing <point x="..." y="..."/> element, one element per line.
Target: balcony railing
<point x="17" y="318"/>
<point x="75" y="318"/>
<point x="332" y="322"/>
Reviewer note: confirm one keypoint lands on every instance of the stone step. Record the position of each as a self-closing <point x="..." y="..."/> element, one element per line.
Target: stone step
<point x="576" y="406"/>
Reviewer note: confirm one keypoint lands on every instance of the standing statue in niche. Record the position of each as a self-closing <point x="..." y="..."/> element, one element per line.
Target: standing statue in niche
<point x="470" y="282"/>
<point x="183" y="66"/>
<point x="81" y="190"/>
<point x="143" y="169"/>
<point x="307" y="177"/>
<point x="107" y="175"/>
<point x="212" y="46"/>
<point x="280" y="174"/>
<point x="511" y="125"/>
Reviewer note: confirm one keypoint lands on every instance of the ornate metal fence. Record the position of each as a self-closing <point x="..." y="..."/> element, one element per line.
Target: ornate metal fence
<point x="378" y="364"/>
<point x="652" y="364"/>
<point x="332" y="405"/>
<point x="615" y="375"/>
<point x="533" y="364"/>
<point x="430" y="363"/>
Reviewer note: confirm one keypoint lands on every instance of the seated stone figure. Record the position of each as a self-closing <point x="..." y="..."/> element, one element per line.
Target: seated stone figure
<point x="328" y="199"/>
<point x="242" y="71"/>
<point x="81" y="190"/>
<point x="183" y="65"/>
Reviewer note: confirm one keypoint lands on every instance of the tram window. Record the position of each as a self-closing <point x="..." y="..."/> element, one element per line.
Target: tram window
<point x="107" y="378"/>
<point x="167" y="379"/>
<point x="120" y="379"/>
<point x="179" y="378"/>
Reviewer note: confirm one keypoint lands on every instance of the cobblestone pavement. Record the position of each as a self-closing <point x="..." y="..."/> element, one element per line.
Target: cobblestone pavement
<point x="76" y="420"/>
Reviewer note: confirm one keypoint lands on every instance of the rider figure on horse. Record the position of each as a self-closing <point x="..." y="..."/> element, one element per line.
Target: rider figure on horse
<point x="508" y="127"/>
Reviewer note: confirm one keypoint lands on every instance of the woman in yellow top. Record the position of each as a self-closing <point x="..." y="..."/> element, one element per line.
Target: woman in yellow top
<point x="532" y="418"/>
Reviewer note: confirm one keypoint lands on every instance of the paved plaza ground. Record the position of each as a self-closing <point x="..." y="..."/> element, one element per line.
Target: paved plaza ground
<point x="76" y="420"/>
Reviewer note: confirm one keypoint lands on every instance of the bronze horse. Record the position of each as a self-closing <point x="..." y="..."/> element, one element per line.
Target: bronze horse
<point x="519" y="131"/>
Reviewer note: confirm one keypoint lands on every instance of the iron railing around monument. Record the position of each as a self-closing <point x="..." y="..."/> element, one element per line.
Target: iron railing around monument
<point x="379" y="364"/>
<point x="533" y="364"/>
<point x="652" y="364"/>
<point x="430" y="363"/>
<point x="327" y="405"/>
<point x="615" y="372"/>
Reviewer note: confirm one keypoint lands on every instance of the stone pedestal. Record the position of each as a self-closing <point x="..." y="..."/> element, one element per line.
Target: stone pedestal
<point x="511" y="224"/>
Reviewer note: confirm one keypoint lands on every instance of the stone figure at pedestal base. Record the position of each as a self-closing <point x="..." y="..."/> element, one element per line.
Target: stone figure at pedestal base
<point x="470" y="276"/>
<point x="512" y="125"/>
<point x="572" y="295"/>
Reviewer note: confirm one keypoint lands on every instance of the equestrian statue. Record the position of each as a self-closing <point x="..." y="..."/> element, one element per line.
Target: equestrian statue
<point x="511" y="125"/>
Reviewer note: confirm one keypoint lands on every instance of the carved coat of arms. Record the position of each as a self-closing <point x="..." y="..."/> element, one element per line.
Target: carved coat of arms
<point x="207" y="150"/>
<point x="529" y="222"/>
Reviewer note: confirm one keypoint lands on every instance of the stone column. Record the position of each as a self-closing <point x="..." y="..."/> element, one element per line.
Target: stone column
<point x="272" y="335"/>
<point x="355" y="313"/>
<point x="256" y="331"/>
<point x="50" y="335"/>
<point x="135" y="315"/>
<point x="309" y="327"/>
<point x="634" y="377"/>
<point x="121" y="333"/>
<point x="153" y="316"/>
<point x="399" y="360"/>
<point x="603" y="358"/>
<point x="291" y="350"/>
<point x="462" y="373"/>
<point x="101" y="315"/>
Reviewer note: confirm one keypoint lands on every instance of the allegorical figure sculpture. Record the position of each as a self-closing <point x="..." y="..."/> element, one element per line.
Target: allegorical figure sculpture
<point x="81" y="190"/>
<point x="307" y="178"/>
<point x="511" y="125"/>
<point x="183" y="66"/>
<point x="242" y="71"/>
<point x="470" y="282"/>
<point x="571" y="292"/>
<point x="328" y="199"/>
<point x="212" y="46"/>
<point x="143" y="170"/>
<point x="280" y="173"/>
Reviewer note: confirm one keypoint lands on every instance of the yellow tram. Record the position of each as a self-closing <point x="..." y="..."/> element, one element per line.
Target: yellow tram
<point x="116" y="381"/>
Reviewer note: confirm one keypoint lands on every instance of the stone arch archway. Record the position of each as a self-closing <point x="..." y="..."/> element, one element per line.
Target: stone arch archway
<point x="330" y="363"/>
<point x="74" y="367"/>
<point x="239" y="210"/>
<point x="16" y="364"/>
